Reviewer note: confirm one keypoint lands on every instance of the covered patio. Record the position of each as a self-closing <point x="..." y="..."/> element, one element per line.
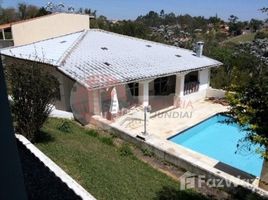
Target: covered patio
<point x="160" y="94"/>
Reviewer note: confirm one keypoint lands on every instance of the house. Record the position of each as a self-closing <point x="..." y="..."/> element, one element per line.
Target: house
<point x="41" y="28"/>
<point x="90" y="63"/>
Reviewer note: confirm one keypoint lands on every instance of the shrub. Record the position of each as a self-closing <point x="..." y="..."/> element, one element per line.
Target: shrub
<point x="261" y="35"/>
<point x="125" y="150"/>
<point x="107" y="140"/>
<point x="92" y="133"/>
<point x="33" y="90"/>
<point x="64" y="126"/>
<point x="147" y="152"/>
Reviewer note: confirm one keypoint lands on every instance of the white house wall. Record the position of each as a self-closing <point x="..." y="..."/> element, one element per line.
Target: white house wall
<point x="204" y="81"/>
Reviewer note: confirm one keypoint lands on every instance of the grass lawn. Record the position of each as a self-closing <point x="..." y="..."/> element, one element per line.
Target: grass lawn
<point x="106" y="170"/>
<point x="241" y="38"/>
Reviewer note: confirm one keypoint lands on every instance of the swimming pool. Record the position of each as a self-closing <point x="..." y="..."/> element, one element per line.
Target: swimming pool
<point x="219" y="140"/>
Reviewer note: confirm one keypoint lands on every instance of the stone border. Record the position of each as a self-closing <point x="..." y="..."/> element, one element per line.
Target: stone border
<point x="69" y="181"/>
<point x="179" y="156"/>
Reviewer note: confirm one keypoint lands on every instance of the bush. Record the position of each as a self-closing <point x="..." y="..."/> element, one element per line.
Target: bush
<point x="125" y="150"/>
<point x="147" y="152"/>
<point x="33" y="89"/>
<point x="107" y="140"/>
<point x="92" y="133"/>
<point x="64" y="126"/>
<point x="261" y="35"/>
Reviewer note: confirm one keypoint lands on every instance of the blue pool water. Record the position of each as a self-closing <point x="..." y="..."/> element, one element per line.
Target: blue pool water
<point x="219" y="140"/>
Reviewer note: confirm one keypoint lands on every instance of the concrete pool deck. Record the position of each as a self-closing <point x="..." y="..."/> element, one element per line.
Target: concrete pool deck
<point x="163" y="126"/>
<point x="166" y="124"/>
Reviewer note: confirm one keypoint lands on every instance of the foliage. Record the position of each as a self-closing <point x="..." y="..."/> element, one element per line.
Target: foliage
<point x="261" y="35"/>
<point x="92" y="133"/>
<point x="23" y="11"/>
<point x="27" y="11"/>
<point x="130" y="28"/>
<point x="147" y="152"/>
<point x="33" y="90"/>
<point x="255" y="24"/>
<point x="125" y="150"/>
<point x="107" y="140"/>
<point x="235" y="26"/>
<point x="249" y="102"/>
<point x="221" y="77"/>
<point x="64" y="126"/>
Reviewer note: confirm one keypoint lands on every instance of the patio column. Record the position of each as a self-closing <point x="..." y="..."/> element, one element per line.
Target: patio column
<point x="144" y="92"/>
<point x="179" y="90"/>
<point x="3" y="34"/>
<point x="96" y="102"/>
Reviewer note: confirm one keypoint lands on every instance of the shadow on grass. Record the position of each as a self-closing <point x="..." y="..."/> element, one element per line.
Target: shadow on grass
<point x="242" y="193"/>
<point x="171" y="193"/>
<point x="44" y="137"/>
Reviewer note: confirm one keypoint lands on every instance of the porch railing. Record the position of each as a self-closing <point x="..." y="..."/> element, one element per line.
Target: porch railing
<point x="191" y="87"/>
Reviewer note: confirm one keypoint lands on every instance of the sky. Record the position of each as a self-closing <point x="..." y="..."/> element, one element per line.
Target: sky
<point x="131" y="9"/>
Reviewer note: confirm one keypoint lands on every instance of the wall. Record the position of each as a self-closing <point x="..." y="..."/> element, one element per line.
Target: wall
<point x="49" y="26"/>
<point x="204" y="81"/>
<point x="217" y="93"/>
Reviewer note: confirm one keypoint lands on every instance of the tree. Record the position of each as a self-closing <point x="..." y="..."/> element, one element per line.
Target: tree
<point x="235" y="26"/>
<point x="255" y="24"/>
<point x="8" y="15"/>
<point x="33" y="90"/>
<point x="249" y="97"/>
<point x="22" y="10"/>
<point x="222" y="77"/>
<point x="162" y="14"/>
<point x="42" y="11"/>
<point x="90" y="12"/>
<point x="27" y="11"/>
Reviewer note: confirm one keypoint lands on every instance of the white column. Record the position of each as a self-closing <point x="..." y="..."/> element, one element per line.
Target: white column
<point x="3" y="34"/>
<point x="144" y="92"/>
<point x="179" y="90"/>
<point x="182" y="79"/>
<point x="96" y="102"/>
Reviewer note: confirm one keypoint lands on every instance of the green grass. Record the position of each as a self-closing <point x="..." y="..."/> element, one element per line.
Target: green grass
<point x="105" y="170"/>
<point x="241" y="38"/>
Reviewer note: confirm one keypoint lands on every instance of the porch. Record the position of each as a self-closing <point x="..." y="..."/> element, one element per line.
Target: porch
<point x="160" y="94"/>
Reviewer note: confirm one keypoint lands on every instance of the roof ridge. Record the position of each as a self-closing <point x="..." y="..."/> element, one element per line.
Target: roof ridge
<point x="140" y="39"/>
<point x="64" y="56"/>
<point x="144" y="40"/>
